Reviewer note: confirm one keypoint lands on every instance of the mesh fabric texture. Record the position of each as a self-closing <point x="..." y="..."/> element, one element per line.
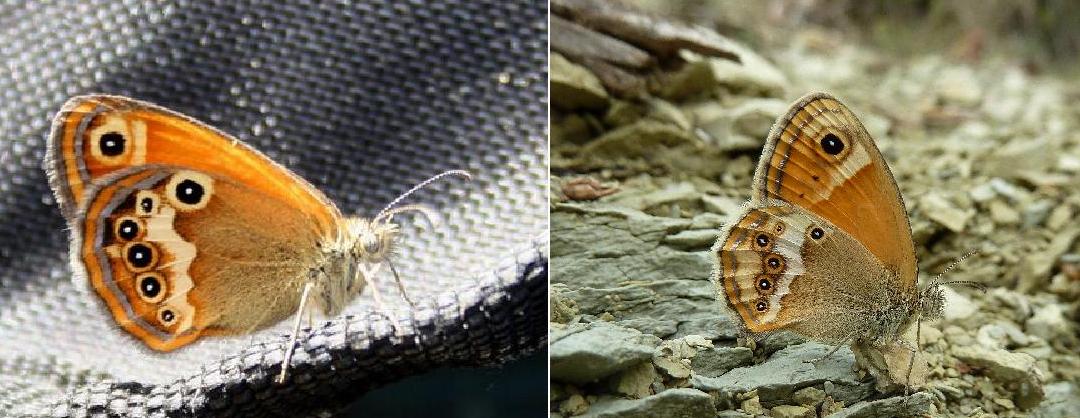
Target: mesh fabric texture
<point x="362" y="99"/>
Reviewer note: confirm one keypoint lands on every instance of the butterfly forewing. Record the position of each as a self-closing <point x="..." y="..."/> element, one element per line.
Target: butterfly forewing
<point x="820" y="157"/>
<point x="94" y="136"/>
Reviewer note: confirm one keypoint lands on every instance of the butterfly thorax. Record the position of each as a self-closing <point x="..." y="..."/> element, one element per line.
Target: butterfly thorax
<point x="349" y="260"/>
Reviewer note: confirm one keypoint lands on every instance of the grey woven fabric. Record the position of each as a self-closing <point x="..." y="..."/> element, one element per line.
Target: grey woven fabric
<point x="363" y="100"/>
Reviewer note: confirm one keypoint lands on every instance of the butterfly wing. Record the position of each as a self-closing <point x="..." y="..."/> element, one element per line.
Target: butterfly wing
<point x="821" y="158"/>
<point x="782" y="267"/>
<point x="94" y="136"/>
<point x="176" y="253"/>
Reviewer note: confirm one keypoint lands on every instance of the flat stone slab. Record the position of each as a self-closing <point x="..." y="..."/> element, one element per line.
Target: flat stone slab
<point x="675" y="403"/>
<point x="584" y="353"/>
<point x="786" y="371"/>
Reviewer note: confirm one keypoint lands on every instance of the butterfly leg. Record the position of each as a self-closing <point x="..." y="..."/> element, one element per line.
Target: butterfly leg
<point x="914" y="351"/>
<point x="296" y="332"/>
<point x="379" y="305"/>
<point x="400" y="285"/>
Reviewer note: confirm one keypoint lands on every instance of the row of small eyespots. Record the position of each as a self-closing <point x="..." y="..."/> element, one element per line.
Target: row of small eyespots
<point x="773" y="264"/>
<point x="141" y="257"/>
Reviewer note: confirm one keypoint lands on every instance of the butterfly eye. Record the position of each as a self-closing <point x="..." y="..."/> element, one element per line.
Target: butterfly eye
<point x="167" y="317"/>
<point x="151" y="287"/>
<point x="817" y="233"/>
<point x="761" y="306"/>
<point x="832" y="144"/>
<point x="112" y="144"/>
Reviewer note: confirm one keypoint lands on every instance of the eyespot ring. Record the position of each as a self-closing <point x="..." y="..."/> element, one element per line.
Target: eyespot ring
<point x="189" y="190"/>
<point x="167" y="316"/>
<point x="147" y="203"/>
<point x="773" y="263"/>
<point x="110" y="142"/>
<point x="761" y="305"/>
<point x="816" y="233"/>
<point x="128" y="228"/>
<point x="151" y="287"/>
<point x="139" y="256"/>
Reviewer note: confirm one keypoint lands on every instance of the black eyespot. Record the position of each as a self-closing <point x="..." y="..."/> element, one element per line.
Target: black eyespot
<point x="761" y="306"/>
<point x="189" y="192"/>
<point x="762" y="240"/>
<point x="112" y="144"/>
<point x="167" y="316"/>
<point x="150" y="286"/>
<point x="127" y="230"/>
<point x="817" y="233"/>
<point x="774" y="262"/>
<point x="140" y="255"/>
<point x="832" y="144"/>
<point x="764" y="283"/>
<point x="147" y="204"/>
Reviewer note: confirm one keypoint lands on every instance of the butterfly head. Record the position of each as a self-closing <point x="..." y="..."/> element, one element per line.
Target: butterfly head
<point x="372" y="240"/>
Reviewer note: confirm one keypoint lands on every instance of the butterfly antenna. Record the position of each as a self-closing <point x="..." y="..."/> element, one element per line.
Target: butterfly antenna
<point x="390" y="211"/>
<point x="937" y="279"/>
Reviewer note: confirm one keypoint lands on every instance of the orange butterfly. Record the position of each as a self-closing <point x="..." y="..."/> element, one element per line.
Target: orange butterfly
<point x="824" y="247"/>
<point x="184" y="231"/>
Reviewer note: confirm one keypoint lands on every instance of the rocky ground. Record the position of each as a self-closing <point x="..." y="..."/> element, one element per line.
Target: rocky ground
<point x="987" y="156"/>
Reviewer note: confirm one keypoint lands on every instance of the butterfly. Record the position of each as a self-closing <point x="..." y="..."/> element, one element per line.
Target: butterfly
<point x="182" y="231"/>
<point x="824" y="247"/>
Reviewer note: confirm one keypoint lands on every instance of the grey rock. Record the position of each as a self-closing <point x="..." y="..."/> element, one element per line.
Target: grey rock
<point x="682" y="403"/>
<point x="733" y="414"/>
<point x="723" y="204"/>
<point x="958" y="306"/>
<point x="780" y="340"/>
<point x="1018" y="370"/>
<point x="810" y="396"/>
<point x="1062" y="401"/>
<point x="713" y="327"/>
<point x="1037" y="266"/>
<point x="698" y="239"/>
<point x="792" y="411"/>
<point x="919" y="404"/>
<point x="583" y="353"/>
<point x="678" y="192"/>
<point x="708" y="220"/>
<point x="635" y="382"/>
<point x="719" y="360"/>
<point x="662" y="328"/>
<point x="1049" y="322"/>
<point x="786" y="371"/>
<point x="939" y="209"/>
<point x="640" y="139"/>
<point x="574" y="87"/>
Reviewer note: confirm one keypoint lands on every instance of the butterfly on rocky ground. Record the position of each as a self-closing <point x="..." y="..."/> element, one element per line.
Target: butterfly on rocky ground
<point x="824" y="246"/>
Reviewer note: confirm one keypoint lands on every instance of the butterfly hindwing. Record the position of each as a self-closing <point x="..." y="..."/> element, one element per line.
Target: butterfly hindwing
<point x="781" y="267"/>
<point x="165" y="249"/>
<point x="820" y="157"/>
